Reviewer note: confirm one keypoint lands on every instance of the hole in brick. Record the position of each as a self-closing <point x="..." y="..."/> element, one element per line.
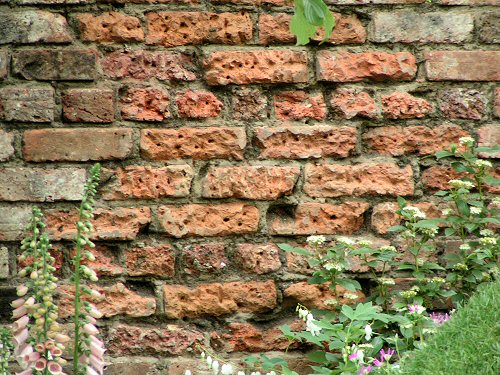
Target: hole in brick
<point x="226" y="219"/>
<point x="333" y="217"/>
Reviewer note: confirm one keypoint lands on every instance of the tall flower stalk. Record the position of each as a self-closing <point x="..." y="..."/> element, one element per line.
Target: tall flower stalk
<point x="88" y="354"/>
<point x="5" y="350"/>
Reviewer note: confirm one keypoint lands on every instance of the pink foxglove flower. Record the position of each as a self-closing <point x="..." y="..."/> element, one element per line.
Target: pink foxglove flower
<point x="54" y="368"/>
<point x="20" y="323"/>
<point x="18" y="303"/>
<point x="40" y="364"/>
<point x="20" y="337"/>
<point x="439" y="318"/>
<point x="90" y="329"/>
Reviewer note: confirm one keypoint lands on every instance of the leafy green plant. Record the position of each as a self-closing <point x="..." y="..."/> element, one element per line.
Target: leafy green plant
<point x="6" y="348"/>
<point x="308" y="17"/>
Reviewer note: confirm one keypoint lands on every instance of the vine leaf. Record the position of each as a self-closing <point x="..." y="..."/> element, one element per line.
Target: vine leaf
<point x="310" y="15"/>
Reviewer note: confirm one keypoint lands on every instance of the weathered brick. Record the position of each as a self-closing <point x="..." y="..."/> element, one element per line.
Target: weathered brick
<point x="208" y="220"/>
<point x="384" y="215"/>
<point x="73" y="144"/>
<point x="145" y="104"/>
<point x="412" y="27"/>
<point x="4" y="262"/>
<point x="398" y="140"/>
<point x="489" y="136"/>
<point x="320" y="296"/>
<point x="6" y="145"/>
<point x="41" y="185"/>
<point x="219" y="299"/>
<point x="321" y="218"/>
<point x="463" y="104"/>
<point x="462" y="65"/>
<point x="301" y="142"/>
<point x="110" y="27"/>
<point x="276" y="29"/>
<point x="204" y="258"/>
<point x="89" y="105"/>
<point x="198" y="104"/>
<point x="4" y="64"/>
<point x="348" y="103"/>
<point x="58" y="65"/>
<point x="55" y="2"/>
<point x="250" y="182"/>
<point x="56" y="252"/>
<point x="298" y="105"/>
<point x="117" y="300"/>
<point x="181" y="28"/>
<point x="142" y="65"/>
<point x="132" y="366"/>
<point x="468" y="2"/>
<point x="246" y="337"/>
<point x="105" y="263"/>
<point x="13" y="221"/>
<point x="335" y="180"/>
<point x="109" y="224"/>
<point x="149" y="183"/>
<point x="33" y="26"/>
<point x="355" y="67"/>
<point x="27" y="104"/>
<point x="401" y="105"/>
<point x="249" y="104"/>
<point x="374" y="2"/>
<point x="488" y="26"/>
<point x="140" y="340"/>
<point x="257" y="66"/>
<point x="158" y="261"/>
<point x="258" y="258"/>
<point x="255" y="2"/>
<point x="196" y="143"/>
<point x="438" y="176"/>
<point x="496" y="104"/>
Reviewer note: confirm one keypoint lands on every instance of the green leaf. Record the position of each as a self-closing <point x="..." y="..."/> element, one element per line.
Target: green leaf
<point x="287" y="371"/>
<point x="401" y="202"/>
<point x="488" y="149"/>
<point x="296" y="250"/>
<point x="463" y="207"/>
<point x="348" y="311"/>
<point x="449" y="231"/>
<point x="397" y="228"/>
<point x="314" y="11"/>
<point x="349" y="284"/>
<point x="443" y="154"/>
<point x="318" y="357"/>
<point x="300" y="26"/>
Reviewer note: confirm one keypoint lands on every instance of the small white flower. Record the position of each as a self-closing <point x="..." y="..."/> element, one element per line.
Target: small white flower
<point x="209" y="362"/>
<point x="316" y="240"/>
<point x="447" y="212"/>
<point x="187" y="372"/>
<point x="345" y="241"/>
<point x="226" y="369"/>
<point x="334" y="266"/>
<point x="351" y="296"/>
<point x="465" y="247"/>
<point x="483" y="163"/>
<point x="488" y="241"/>
<point x="241" y="373"/>
<point x="386" y="281"/>
<point x="215" y="367"/>
<point x="486" y="233"/>
<point x="222" y="264"/>
<point x="368" y="332"/>
<point x="388" y="248"/>
<point x="366" y="243"/>
<point x="460" y="184"/>
<point x="475" y="210"/>
<point x="467" y="141"/>
<point x="415" y="212"/>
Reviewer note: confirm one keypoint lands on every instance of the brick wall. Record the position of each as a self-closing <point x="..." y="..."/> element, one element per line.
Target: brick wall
<point x="219" y="139"/>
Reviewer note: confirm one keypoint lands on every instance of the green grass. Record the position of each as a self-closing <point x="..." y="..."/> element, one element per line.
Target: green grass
<point x="468" y="344"/>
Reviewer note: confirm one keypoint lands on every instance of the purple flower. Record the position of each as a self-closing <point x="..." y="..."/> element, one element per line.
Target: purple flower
<point x="383" y="357"/>
<point x="365" y="370"/>
<point x="416" y="309"/>
<point x="439" y="318"/>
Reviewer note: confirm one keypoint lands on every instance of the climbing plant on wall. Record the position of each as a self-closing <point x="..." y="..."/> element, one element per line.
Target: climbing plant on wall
<point x="308" y="17"/>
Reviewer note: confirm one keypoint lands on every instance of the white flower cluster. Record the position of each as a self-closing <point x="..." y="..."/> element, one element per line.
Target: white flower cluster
<point x="307" y="317"/>
<point x="466" y="141"/>
<point x="475" y="210"/>
<point x="487" y="233"/>
<point x="345" y="241"/>
<point x="316" y="240"/>
<point x="334" y="266"/>
<point x="414" y="212"/>
<point x="488" y="241"/>
<point x="460" y="184"/>
<point x="386" y="281"/>
<point x="223" y="369"/>
<point x="388" y="248"/>
<point x="482" y="163"/>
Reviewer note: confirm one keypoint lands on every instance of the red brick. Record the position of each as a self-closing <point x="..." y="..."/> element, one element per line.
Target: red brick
<point x="337" y="180"/>
<point x="117" y="300"/>
<point x="158" y="261"/>
<point x="73" y="144"/>
<point x="489" y="136"/>
<point x="6" y="145"/>
<point x="55" y="65"/>
<point x="321" y="218"/>
<point x="195" y="143"/>
<point x="219" y="299"/>
<point x="437" y="177"/>
<point x="496" y="104"/>
<point x="462" y="104"/>
<point x="348" y="103"/>
<point x="199" y="104"/>
<point x="301" y="142"/>
<point x="149" y="183"/>
<point x="384" y="215"/>
<point x="27" y="104"/>
<point x="204" y="258"/>
<point x="172" y="29"/>
<point x="275" y="29"/>
<point x="109" y="224"/>
<point x="106" y="261"/>
<point x="245" y="337"/>
<point x="355" y="67"/>
<point x="256" y="66"/>
<point x="375" y="2"/>
<point x="145" y="104"/>
<point x="162" y="339"/>
<point x="142" y="65"/>
<point x="401" y="105"/>
<point x="53" y="2"/>
<point x="250" y="182"/>
<point x="55" y="252"/>
<point x="208" y="220"/>
<point x="110" y="27"/>
<point x="248" y="104"/>
<point x="89" y="105"/>
<point x="33" y="26"/>
<point x="258" y="258"/>
<point x="462" y="65"/>
<point x="287" y="3"/>
<point x="468" y="2"/>
<point x="297" y="263"/>
<point x="398" y="140"/>
<point x="319" y="296"/>
<point x="41" y="185"/>
<point x="4" y="64"/>
<point x="298" y="105"/>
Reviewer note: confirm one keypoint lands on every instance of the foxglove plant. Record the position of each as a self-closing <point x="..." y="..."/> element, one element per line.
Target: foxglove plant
<point x="5" y="350"/>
